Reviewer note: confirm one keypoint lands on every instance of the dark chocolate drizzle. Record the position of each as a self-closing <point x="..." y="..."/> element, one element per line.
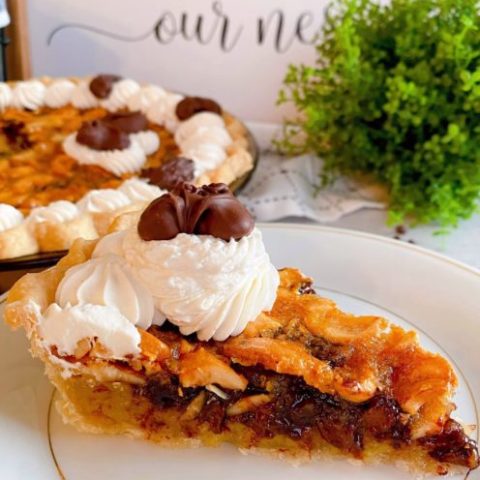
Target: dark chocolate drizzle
<point x="101" y="85"/>
<point x="98" y="135"/>
<point x="171" y="173"/>
<point x="189" y="106"/>
<point x="208" y="210"/>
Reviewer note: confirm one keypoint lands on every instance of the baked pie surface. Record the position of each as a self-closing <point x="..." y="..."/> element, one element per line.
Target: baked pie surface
<point x="304" y="379"/>
<point x="35" y="171"/>
<point x="42" y="163"/>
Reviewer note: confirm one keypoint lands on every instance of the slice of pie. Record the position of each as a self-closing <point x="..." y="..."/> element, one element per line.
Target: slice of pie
<point x="179" y="330"/>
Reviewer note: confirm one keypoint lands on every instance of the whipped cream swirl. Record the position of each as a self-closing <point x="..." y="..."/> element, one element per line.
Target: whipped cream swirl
<point x="65" y="327"/>
<point x="201" y="283"/>
<point x="103" y="200"/>
<point x="6" y="96"/>
<point x="162" y="111"/>
<point x="29" y="94"/>
<point x="143" y="98"/>
<point x="148" y="141"/>
<point x="82" y="97"/>
<point x="138" y="190"/>
<point x="107" y="281"/>
<point x="10" y="217"/>
<point x="200" y="121"/>
<point x="120" y="94"/>
<point x="128" y="160"/>
<point x="203" y="138"/>
<point x="59" y="93"/>
<point x="56" y="212"/>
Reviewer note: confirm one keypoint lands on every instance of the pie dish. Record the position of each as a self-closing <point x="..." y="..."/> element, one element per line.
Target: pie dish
<point x="104" y="144"/>
<point x="248" y="355"/>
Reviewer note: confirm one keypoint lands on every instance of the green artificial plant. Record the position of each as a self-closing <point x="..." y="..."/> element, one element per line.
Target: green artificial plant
<point x="395" y="93"/>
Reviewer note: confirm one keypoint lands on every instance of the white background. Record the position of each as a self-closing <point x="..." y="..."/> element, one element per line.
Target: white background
<point x="245" y="79"/>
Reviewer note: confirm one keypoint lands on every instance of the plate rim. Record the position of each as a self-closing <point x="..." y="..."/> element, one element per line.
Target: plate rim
<point x="376" y="237"/>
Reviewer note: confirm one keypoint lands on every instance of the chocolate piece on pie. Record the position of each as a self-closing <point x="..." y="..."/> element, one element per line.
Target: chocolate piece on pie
<point x="99" y="135"/>
<point x="172" y="172"/>
<point x="101" y="85"/>
<point x="208" y="210"/>
<point x="189" y="106"/>
<point x="128" y="122"/>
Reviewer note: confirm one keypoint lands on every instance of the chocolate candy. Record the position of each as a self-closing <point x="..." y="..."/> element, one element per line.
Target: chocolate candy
<point x="101" y="86"/>
<point x="208" y="210"/>
<point x="101" y="136"/>
<point x="170" y="173"/>
<point x="129" y="122"/>
<point x="189" y="106"/>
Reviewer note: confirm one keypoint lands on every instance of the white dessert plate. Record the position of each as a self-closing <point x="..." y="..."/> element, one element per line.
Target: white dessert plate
<point x="411" y="286"/>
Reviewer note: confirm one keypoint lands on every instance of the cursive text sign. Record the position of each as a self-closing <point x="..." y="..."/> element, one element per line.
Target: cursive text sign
<point x="235" y="51"/>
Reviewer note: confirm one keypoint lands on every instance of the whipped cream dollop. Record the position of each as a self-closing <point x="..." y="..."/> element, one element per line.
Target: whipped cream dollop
<point x="201" y="283"/>
<point x="10" y="217"/>
<point x="56" y="212"/>
<point x="205" y="135"/>
<point x="148" y="140"/>
<point x="206" y="156"/>
<point x="128" y="160"/>
<point x="59" y="93"/>
<point x="121" y="92"/>
<point x="138" y="190"/>
<point x="107" y="280"/>
<point x="28" y="94"/>
<point x="203" y="138"/>
<point x="82" y="97"/>
<point x="103" y="200"/>
<point x="162" y="111"/>
<point x="199" y="121"/>
<point x="6" y="96"/>
<point x="144" y="97"/>
<point x="65" y="327"/>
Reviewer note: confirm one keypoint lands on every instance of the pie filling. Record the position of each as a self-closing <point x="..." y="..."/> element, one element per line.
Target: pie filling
<point x="31" y="152"/>
<point x="274" y="411"/>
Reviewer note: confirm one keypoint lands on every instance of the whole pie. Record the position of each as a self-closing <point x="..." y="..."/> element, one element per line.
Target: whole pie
<point x="178" y="329"/>
<point x="76" y="153"/>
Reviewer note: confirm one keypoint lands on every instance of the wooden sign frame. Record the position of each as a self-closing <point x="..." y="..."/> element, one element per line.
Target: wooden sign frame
<point x="18" y="50"/>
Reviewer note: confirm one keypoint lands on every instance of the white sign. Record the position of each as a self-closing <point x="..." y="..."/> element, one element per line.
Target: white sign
<point x="236" y="51"/>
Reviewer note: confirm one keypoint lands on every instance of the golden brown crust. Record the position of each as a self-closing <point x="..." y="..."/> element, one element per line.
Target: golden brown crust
<point x="52" y="236"/>
<point x="17" y="241"/>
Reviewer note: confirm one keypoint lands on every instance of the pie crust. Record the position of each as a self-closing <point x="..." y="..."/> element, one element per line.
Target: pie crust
<point x="54" y="236"/>
<point x="302" y="380"/>
<point x="17" y="241"/>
